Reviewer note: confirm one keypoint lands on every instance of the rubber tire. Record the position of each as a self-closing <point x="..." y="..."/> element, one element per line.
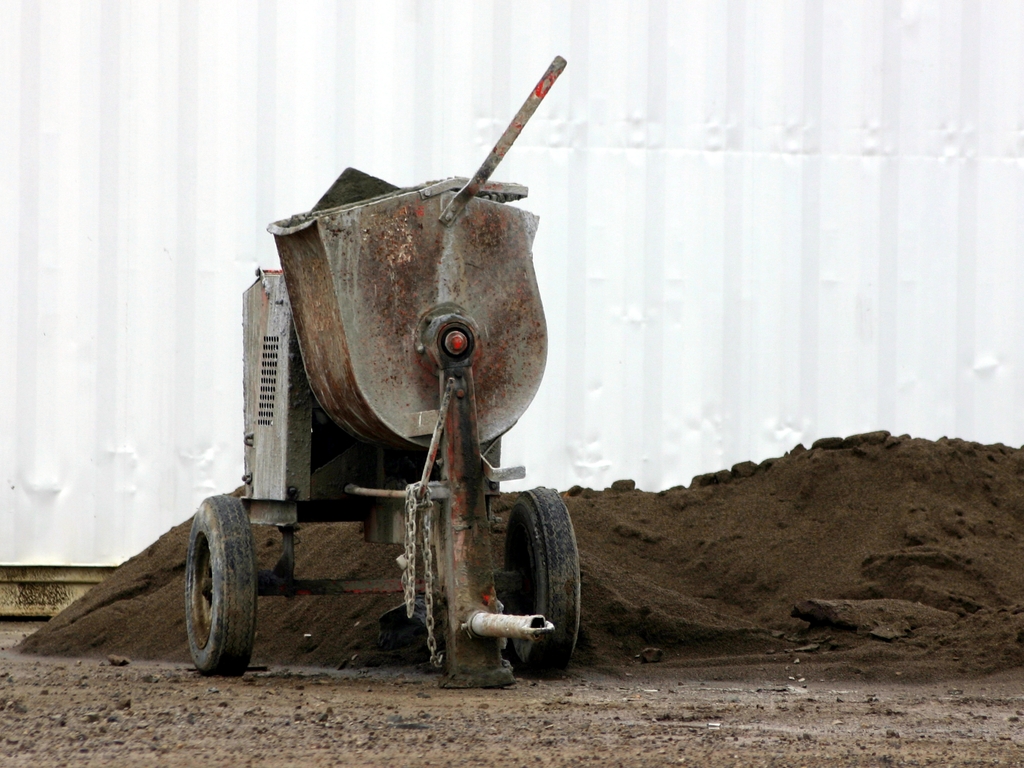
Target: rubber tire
<point x="540" y="543"/>
<point x="220" y="587"/>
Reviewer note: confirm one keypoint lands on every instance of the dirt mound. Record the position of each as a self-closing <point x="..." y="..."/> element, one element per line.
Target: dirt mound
<point x="885" y="619"/>
<point x="352" y="186"/>
<point x="706" y="573"/>
<point x="139" y="611"/>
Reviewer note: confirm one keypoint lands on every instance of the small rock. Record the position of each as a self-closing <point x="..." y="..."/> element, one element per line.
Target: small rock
<point x="651" y="655"/>
<point x="118" y="661"/>
<point x="700" y="481"/>
<point x="576" y="490"/>
<point x="124" y="703"/>
<point x="866" y="438"/>
<point x="19" y="707"/>
<point x="92" y="717"/>
<point x="807" y="648"/>
<point x="883" y="632"/>
<point x="892" y="733"/>
<point x="828" y="443"/>
<point x="151" y="679"/>
<point x="901" y="616"/>
<point x="624" y="485"/>
<point x="720" y="477"/>
<point x="744" y="469"/>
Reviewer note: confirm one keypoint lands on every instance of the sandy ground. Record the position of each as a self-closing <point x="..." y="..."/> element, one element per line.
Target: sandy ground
<point x="85" y="712"/>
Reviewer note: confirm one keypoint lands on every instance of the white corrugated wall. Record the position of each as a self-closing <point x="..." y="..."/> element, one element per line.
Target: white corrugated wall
<point x="761" y="223"/>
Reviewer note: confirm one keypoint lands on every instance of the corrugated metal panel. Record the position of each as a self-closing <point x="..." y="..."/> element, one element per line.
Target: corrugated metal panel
<point x="762" y="223"/>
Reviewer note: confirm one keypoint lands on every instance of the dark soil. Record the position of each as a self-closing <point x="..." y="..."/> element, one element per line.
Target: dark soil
<point x="352" y="186"/>
<point x="929" y="532"/>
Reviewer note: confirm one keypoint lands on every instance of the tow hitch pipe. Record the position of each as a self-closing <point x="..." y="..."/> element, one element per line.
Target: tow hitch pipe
<point x="484" y="624"/>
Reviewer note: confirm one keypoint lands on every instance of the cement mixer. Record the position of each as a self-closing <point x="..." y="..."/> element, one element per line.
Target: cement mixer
<point x="402" y="337"/>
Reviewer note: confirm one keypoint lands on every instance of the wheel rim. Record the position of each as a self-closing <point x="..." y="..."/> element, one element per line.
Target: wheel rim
<point x="202" y="592"/>
<point x="522" y="559"/>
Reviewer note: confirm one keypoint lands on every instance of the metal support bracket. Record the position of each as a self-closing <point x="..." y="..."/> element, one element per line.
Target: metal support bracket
<point x="501" y="189"/>
<point x="438" y="491"/>
<point x="503" y="474"/>
<point x="472" y="661"/>
<point x="285" y="568"/>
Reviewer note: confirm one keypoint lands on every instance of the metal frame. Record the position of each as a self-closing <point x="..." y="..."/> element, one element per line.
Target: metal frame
<point x="382" y="333"/>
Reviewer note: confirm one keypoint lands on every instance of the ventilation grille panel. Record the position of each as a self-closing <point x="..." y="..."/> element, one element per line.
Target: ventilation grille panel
<point x="268" y="380"/>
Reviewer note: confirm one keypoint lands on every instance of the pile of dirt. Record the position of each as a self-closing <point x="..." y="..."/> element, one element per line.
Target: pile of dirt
<point x="902" y="553"/>
<point x="139" y="611"/>
<point x="353" y="186"/>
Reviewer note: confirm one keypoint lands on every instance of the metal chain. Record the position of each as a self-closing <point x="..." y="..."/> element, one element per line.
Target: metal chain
<point x="428" y="583"/>
<point x="409" y="568"/>
<point x="412" y="507"/>
<point x="417" y="497"/>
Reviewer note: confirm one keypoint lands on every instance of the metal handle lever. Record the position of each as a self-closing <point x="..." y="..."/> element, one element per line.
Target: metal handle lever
<point x="454" y="208"/>
<point x="503" y="474"/>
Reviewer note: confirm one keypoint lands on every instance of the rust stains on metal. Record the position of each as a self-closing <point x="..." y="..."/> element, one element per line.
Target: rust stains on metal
<point x="321" y="334"/>
<point x="361" y="280"/>
<point x="468" y="569"/>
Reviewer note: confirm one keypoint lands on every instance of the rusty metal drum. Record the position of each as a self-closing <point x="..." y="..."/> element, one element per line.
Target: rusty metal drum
<point x="368" y="281"/>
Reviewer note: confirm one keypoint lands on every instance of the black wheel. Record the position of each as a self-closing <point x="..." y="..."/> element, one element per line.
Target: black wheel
<point x="540" y="544"/>
<point x="220" y="587"/>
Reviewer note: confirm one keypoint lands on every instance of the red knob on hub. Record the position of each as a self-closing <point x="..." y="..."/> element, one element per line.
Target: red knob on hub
<point x="456" y="342"/>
